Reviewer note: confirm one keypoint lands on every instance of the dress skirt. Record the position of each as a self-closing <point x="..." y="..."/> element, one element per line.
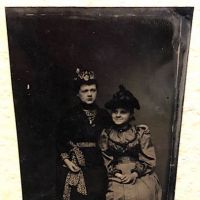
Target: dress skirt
<point x="146" y="187"/>
<point x="95" y="180"/>
<point x="96" y="184"/>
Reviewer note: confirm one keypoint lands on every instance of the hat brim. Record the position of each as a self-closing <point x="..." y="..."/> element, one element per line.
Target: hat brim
<point x="112" y="105"/>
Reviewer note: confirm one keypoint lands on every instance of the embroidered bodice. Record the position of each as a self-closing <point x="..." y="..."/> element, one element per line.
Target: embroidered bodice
<point x="133" y="142"/>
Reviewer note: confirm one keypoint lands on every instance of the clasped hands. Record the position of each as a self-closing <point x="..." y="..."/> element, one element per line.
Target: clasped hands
<point x="127" y="178"/>
<point x="71" y="166"/>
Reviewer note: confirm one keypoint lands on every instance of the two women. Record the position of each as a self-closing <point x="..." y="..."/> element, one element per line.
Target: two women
<point x="104" y="159"/>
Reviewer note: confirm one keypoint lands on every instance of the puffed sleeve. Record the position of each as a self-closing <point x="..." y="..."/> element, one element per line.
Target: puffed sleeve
<point x="147" y="157"/>
<point x="107" y="155"/>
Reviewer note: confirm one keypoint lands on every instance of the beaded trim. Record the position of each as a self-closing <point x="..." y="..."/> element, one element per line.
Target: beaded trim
<point x="91" y="114"/>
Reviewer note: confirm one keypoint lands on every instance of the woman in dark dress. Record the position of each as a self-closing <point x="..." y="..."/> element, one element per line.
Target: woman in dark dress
<point x="128" y="153"/>
<point x="84" y="175"/>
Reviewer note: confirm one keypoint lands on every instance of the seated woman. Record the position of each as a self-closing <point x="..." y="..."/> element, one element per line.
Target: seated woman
<point x="128" y="153"/>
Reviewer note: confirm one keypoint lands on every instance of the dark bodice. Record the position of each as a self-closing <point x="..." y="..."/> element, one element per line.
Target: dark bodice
<point x="124" y="143"/>
<point x="76" y="126"/>
<point x="133" y="143"/>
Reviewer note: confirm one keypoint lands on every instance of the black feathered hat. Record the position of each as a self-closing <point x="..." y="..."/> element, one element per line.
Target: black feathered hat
<point x="123" y="99"/>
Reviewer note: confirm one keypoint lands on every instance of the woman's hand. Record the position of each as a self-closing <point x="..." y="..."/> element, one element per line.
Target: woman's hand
<point x="72" y="167"/>
<point x="129" y="178"/>
<point x="118" y="175"/>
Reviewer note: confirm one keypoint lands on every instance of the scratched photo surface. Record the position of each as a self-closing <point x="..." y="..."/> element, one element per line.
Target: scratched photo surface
<point x="144" y="49"/>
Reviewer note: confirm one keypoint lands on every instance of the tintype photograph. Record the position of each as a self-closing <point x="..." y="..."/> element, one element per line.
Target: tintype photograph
<point x="98" y="96"/>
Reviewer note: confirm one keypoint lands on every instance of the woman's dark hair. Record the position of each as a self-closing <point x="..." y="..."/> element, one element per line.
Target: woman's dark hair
<point x="84" y="77"/>
<point x="78" y="83"/>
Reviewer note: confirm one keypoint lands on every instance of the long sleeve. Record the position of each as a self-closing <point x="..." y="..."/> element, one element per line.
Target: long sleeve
<point x="103" y="144"/>
<point x="107" y="155"/>
<point x="147" y="157"/>
<point x="63" y="138"/>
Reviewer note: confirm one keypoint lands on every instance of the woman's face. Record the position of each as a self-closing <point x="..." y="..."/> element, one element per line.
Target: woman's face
<point x="120" y="116"/>
<point x="88" y="93"/>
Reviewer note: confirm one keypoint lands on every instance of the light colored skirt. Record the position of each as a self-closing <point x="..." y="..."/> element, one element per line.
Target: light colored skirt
<point x="145" y="188"/>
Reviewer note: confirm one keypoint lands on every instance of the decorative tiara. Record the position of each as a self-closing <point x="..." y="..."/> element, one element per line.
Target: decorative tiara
<point x="85" y="75"/>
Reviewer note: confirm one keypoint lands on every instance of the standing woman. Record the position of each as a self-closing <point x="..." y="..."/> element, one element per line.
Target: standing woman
<point x="80" y="155"/>
<point x="128" y="152"/>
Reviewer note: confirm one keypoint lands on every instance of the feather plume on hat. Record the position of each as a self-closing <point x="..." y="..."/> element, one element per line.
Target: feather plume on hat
<point x="123" y="99"/>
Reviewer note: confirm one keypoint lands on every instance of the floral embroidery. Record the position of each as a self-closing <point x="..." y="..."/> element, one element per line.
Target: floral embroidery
<point x="91" y="114"/>
<point x="75" y="179"/>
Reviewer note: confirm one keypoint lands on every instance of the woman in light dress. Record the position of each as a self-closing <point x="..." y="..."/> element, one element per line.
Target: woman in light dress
<point x="128" y="153"/>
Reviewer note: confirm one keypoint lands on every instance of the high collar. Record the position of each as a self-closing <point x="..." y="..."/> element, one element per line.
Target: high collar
<point x="85" y="106"/>
<point x="122" y="127"/>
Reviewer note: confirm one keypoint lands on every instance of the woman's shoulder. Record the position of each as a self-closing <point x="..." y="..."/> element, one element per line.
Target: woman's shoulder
<point x="120" y="137"/>
<point x="70" y="114"/>
<point x="142" y="129"/>
<point x="106" y="131"/>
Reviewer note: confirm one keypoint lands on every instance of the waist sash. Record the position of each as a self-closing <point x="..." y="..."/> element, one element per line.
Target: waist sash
<point x="125" y="159"/>
<point x="86" y="144"/>
<point x="75" y="179"/>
